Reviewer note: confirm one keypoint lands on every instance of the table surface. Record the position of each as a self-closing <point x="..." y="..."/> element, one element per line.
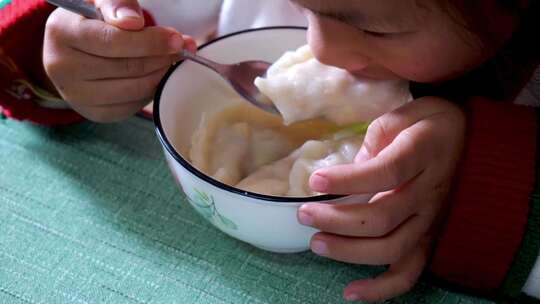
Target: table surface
<point x="90" y="214"/>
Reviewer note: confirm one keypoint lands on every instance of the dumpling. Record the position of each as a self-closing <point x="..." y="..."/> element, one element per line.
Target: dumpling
<point x="290" y="176"/>
<point x="233" y="142"/>
<point x="302" y="88"/>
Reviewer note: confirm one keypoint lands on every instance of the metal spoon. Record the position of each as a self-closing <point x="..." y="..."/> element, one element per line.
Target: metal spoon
<point x="239" y="75"/>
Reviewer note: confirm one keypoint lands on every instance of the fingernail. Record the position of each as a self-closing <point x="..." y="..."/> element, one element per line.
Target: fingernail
<point x="126" y="12"/>
<point x="319" y="247"/>
<point x="304" y="217"/>
<point x="352" y="297"/>
<point x="176" y="43"/>
<point x="319" y="183"/>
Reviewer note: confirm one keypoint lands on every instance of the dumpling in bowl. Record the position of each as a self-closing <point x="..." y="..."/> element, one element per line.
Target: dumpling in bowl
<point x="233" y="142"/>
<point x="301" y="87"/>
<point x="289" y="176"/>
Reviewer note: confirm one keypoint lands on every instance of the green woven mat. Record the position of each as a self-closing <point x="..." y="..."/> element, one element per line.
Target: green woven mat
<point x="90" y="214"/>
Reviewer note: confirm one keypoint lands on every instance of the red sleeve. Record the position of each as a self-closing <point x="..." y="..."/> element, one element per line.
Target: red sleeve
<point x="22" y="24"/>
<point x="490" y="240"/>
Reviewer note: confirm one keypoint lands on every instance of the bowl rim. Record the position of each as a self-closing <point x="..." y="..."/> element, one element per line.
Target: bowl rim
<point x="184" y="163"/>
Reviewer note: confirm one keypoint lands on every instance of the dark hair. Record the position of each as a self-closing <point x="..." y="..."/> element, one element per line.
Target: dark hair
<point x="503" y="75"/>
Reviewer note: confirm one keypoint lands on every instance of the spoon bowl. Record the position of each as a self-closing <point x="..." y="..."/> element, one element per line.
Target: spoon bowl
<point x="241" y="77"/>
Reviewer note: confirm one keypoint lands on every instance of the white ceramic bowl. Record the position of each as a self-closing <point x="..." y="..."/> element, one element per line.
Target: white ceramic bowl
<point x="188" y="90"/>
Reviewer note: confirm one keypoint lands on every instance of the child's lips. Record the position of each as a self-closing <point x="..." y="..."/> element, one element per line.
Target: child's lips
<point x="374" y="74"/>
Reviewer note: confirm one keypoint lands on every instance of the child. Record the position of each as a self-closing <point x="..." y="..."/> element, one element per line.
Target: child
<point x="410" y="155"/>
<point x="485" y="236"/>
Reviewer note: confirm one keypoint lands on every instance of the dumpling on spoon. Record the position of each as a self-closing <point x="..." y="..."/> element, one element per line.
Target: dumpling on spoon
<point x="301" y="88"/>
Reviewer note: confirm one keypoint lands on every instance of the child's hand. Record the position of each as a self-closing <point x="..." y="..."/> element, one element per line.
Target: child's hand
<point x="108" y="70"/>
<point x="409" y="157"/>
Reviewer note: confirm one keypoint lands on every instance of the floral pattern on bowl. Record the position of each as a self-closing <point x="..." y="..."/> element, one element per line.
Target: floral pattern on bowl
<point x="205" y="205"/>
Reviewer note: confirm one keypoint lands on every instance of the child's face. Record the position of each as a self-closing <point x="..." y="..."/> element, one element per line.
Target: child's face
<point x="386" y="39"/>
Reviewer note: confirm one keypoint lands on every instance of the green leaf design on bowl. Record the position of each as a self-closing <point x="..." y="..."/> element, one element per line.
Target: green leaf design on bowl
<point x="206" y="206"/>
<point x="202" y="200"/>
<point x="227" y="222"/>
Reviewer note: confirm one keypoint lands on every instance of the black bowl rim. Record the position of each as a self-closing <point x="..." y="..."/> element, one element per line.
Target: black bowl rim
<point x="172" y="151"/>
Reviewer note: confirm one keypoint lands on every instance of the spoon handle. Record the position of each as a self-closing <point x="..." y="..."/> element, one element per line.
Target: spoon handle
<point x="80" y="7"/>
<point x="221" y="69"/>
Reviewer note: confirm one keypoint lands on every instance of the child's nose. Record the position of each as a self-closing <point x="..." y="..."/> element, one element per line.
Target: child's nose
<point x="332" y="54"/>
<point x="334" y="44"/>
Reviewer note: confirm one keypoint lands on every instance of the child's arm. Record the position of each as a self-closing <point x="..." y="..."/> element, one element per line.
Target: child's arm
<point x="491" y="238"/>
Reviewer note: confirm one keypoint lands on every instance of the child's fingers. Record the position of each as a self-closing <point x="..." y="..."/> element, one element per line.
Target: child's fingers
<point x="128" y="67"/>
<point x="125" y="68"/>
<point x="407" y="155"/>
<point x="101" y="39"/>
<point x="383" y="130"/>
<point x="189" y="43"/>
<point x="397" y="280"/>
<point x="113" y="100"/>
<point x="124" y="14"/>
<point x="386" y="212"/>
<point x="65" y="29"/>
<point x="387" y="160"/>
<point x="110" y="113"/>
<point x="372" y="251"/>
<point x="89" y="67"/>
<point x="124" y="90"/>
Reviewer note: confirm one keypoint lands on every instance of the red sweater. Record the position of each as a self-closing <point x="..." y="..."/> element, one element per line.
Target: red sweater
<point x="490" y="240"/>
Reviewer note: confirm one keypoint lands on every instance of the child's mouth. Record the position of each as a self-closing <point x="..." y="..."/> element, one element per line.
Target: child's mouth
<point x="374" y="74"/>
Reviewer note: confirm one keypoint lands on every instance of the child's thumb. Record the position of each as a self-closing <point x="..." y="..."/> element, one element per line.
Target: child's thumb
<point x="124" y="14"/>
